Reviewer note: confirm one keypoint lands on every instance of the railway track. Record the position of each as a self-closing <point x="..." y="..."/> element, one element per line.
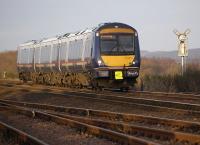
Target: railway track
<point x="154" y="130"/>
<point x="181" y="97"/>
<point x="121" y="98"/>
<point x="151" y="130"/>
<point x="81" y="126"/>
<point x="144" y="95"/>
<point x="178" y="108"/>
<point x="17" y="136"/>
<point x="161" y="95"/>
<point x="131" y="100"/>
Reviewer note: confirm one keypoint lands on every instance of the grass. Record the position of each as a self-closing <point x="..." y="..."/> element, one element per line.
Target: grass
<point x="156" y="74"/>
<point x="8" y="64"/>
<point x="165" y="76"/>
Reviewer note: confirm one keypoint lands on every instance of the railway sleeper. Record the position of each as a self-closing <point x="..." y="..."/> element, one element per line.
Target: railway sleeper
<point x="176" y="125"/>
<point x="136" y="130"/>
<point x="89" y="129"/>
<point x="15" y="136"/>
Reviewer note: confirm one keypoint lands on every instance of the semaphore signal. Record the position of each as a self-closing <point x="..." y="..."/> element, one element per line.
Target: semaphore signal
<point x="182" y="47"/>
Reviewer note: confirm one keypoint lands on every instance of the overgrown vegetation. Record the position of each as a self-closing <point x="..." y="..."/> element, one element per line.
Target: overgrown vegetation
<point x="157" y="74"/>
<point x="165" y="76"/>
<point x="8" y="64"/>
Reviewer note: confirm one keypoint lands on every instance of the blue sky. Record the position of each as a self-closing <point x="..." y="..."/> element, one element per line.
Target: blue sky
<point x="22" y="20"/>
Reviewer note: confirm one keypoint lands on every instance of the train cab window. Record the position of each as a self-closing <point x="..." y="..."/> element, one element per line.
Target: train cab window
<point x="117" y="44"/>
<point x="125" y="43"/>
<point x="108" y="43"/>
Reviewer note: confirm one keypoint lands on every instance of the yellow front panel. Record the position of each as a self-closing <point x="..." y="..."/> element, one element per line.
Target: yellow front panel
<point x="118" y="60"/>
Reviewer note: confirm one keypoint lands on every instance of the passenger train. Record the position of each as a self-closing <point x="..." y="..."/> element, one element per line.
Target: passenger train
<point x="104" y="56"/>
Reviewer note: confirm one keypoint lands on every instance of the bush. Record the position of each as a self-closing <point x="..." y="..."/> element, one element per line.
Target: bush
<point x="188" y="82"/>
<point x="8" y="64"/>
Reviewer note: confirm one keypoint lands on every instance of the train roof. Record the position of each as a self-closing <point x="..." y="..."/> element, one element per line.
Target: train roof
<point x="50" y="39"/>
<point x="27" y="43"/>
<point x="113" y="25"/>
<point x="73" y="34"/>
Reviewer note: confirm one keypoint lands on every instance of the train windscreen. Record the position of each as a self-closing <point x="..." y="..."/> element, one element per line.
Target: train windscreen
<point x="117" y="44"/>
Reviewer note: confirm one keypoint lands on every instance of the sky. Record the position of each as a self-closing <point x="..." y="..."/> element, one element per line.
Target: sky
<point x="155" y="20"/>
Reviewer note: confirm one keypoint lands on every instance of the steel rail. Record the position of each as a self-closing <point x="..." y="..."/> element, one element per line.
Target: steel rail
<point x="176" y="125"/>
<point x="17" y="136"/>
<point x="170" y="95"/>
<point x="139" y="102"/>
<point x="82" y="127"/>
<point x="123" y="99"/>
<point x="156" y="134"/>
<point x="142" y="101"/>
<point x="176" y="97"/>
<point x="180" y="95"/>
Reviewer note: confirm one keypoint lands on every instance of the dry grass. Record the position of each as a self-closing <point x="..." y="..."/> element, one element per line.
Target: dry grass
<point x="157" y="74"/>
<point x="158" y="66"/>
<point x="164" y="75"/>
<point x="8" y="64"/>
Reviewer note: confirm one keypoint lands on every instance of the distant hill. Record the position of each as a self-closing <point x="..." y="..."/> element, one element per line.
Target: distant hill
<point x="192" y="54"/>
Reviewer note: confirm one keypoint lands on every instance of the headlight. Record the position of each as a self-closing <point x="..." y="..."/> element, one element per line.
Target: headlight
<point x="135" y="62"/>
<point x="99" y="62"/>
<point x="97" y="34"/>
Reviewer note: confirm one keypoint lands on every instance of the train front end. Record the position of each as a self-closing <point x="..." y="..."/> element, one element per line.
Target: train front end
<point x="117" y="55"/>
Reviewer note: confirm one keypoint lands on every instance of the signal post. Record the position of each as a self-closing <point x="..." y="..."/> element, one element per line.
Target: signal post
<point x="182" y="47"/>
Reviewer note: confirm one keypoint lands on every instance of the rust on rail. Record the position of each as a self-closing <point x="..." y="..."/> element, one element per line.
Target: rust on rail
<point x="121" y="127"/>
<point x="17" y="136"/>
<point x="83" y="127"/>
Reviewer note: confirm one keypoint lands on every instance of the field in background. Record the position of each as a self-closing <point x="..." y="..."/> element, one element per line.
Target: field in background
<point x="156" y="74"/>
<point x="8" y="64"/>
<point x="158" y="66"/>
<point x="164" y="75"/>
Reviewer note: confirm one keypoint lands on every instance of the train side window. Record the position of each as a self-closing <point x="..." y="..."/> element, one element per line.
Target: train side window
<point x="25" y="55"/>
<point x="55" y="52"/>
<point x="63" y="51"/>
<point x="88" y="48"/>
<point x="42" y="55"/>
<point x="22" y="56"/>
<point x="31" y="53"/>
<point x="70" y="54"/>
<point x="18" y="55"/>
<point x="45" y="53"/>
<point x="37" y="53"/>
<point x="75" y="49"/>
<point x="79" y="48"/>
